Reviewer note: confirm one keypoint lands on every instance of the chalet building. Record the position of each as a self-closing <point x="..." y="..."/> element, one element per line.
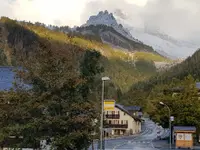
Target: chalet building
<point x="121" y="122"/>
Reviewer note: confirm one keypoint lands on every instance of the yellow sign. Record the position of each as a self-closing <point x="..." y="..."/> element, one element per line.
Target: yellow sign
<point x="109" y="105"/>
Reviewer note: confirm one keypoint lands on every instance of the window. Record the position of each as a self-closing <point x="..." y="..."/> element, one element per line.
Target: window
<point x="109" y="122"/>
<point x="121" y="121"/>
<point x="118" y="112"/>
<point x="113" y="112"/>
<point x="124" y="114"/>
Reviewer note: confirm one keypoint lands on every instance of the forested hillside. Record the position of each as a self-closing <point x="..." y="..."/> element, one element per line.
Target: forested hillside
<point x="19" y="41"/>
<point x="188" y="67"/>
<point x="176" y="88"/>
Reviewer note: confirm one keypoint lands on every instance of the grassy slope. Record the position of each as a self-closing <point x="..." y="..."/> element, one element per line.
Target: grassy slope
<point x="117" y="63"/>
<point x="105" y="49"/>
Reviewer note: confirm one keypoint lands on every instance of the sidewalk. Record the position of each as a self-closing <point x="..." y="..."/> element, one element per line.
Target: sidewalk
<point x="164" y="145"/>
<point x="160" y="144"/>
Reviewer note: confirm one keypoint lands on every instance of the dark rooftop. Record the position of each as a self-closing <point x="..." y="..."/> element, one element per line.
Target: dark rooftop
<point x="7" y="76"/>
<point x="121" y="107"/>
<point x="135" y="108"/>
<point x="184" y="128"/>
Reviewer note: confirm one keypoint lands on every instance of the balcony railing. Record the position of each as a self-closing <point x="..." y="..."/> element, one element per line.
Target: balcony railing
<point x="117" y="125"/>
<point x="112" y="116"/>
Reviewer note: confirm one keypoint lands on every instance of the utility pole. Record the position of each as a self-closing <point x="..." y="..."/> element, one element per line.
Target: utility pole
<point x="102" y="111"/>
<point x="170" y="126"/>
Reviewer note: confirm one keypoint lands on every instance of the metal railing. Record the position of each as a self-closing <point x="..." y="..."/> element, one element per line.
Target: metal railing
<point x="112" y="116"/>
<point x="117" y="125"/>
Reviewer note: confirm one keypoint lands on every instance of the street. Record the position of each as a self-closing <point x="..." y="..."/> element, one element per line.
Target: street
<point x="141" y="141"/>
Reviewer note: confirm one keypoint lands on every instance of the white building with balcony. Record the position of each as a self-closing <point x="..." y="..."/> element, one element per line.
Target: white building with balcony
<point x="121" y="122"/>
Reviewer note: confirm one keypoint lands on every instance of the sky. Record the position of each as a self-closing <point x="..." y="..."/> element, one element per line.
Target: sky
<point x="178" y="18"/>
<point x="58" y="12"/>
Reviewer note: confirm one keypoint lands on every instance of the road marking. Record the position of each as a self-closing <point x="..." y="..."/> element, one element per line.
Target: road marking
<point x="152" y="144"/>
<point x="119" y="145"/>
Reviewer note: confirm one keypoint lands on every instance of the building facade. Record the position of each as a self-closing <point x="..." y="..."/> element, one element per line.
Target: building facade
<point x="121" y="122"/>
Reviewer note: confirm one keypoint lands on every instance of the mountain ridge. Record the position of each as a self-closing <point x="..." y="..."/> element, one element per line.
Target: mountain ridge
<point x="106" y="18"/>
<point x="106" y="26"/>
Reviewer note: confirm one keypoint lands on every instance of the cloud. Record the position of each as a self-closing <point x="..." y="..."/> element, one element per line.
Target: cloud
<point x="6" y="8"/>
<point x="178" y="18"/>
<point x="94" y="7"/>
<point x="61" y="12"/>
<point x="137" y="2"/>
<point x="57" y="12"/>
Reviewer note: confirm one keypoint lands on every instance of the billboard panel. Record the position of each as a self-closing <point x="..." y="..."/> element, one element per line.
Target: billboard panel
<point x="109" y="105"/>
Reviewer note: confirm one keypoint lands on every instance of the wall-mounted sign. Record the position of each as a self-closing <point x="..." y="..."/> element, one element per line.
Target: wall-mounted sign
<point x="180" y="136"/>
<point x="172" y="118"/>
<point x="188" y="136"/>
<point x="109" y="105"/>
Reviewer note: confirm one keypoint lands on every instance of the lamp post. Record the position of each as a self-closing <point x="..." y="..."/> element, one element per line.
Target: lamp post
<point x="102" y="110"/>
<point x="161" y="103"/>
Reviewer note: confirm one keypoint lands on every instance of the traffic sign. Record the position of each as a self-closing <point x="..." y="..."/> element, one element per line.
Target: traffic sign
<point x="172" y="118"/>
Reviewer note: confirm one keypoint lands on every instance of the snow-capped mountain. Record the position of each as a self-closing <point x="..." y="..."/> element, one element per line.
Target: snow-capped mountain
<point x="106" y="18"/>
<point x="105" y="26"/>
<point x="161" y="42"/>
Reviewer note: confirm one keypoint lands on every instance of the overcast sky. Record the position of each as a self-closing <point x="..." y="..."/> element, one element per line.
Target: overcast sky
<point x="179" y="18"/>
<point x="59" y="12"/>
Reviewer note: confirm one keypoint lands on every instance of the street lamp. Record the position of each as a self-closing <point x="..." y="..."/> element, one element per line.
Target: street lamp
<point x="161" y="103"/>
<point x="102" y="110"/>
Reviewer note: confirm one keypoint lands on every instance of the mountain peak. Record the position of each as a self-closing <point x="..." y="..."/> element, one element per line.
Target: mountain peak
<point x="103" y="17"/>
<point x="108" y="19"/>
<point x="106" y="12"/>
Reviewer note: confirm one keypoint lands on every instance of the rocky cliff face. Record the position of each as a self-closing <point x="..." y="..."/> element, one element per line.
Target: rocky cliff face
<point x="105" y="25"/>
<point x="106" y="18"/>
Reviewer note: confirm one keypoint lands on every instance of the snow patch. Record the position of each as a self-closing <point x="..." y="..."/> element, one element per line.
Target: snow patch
<point x="161" y="42"/>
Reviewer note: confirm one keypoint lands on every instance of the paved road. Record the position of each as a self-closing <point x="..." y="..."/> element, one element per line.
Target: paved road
<point x="142" y="141"/>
